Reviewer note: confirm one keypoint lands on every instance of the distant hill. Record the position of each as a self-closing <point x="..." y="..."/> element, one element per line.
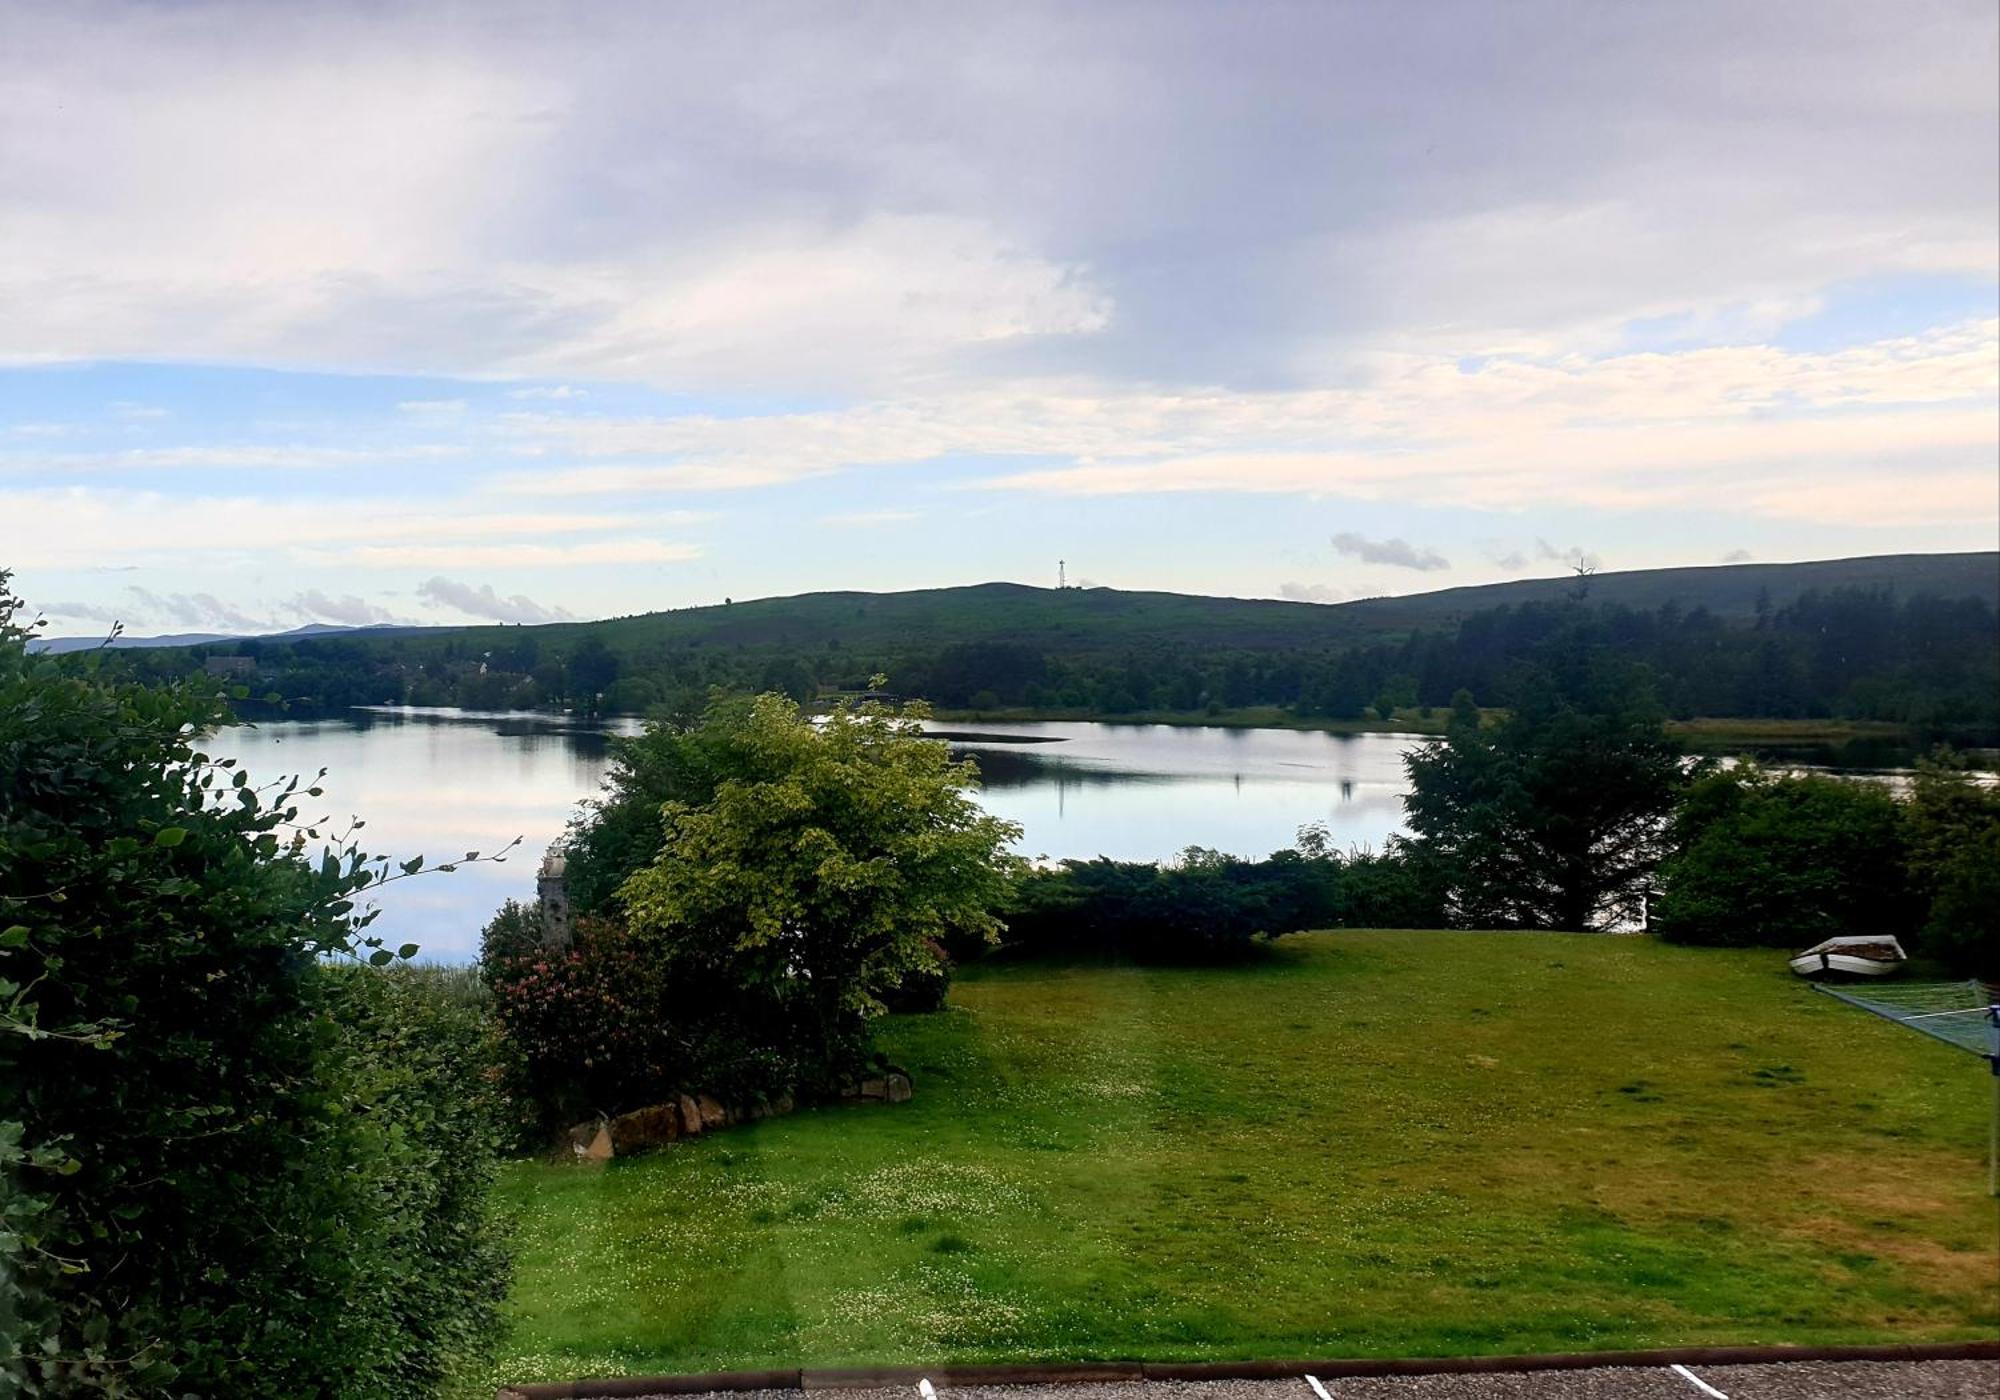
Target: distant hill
<point x="1082" y="621"/>
<point x="1905" y="639"/>
<point x="58" y="645"/>
<point x="1728" y="590"/>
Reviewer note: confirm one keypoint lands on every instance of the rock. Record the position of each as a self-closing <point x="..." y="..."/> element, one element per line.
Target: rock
<point x="713" y="1114"/>
<point x="690" y="1116"/>
<point x="898" y="1085"/>
<point x="874" y="1089"/>
<point x="591" y="1142"/>
<point x="652" y="1126"/>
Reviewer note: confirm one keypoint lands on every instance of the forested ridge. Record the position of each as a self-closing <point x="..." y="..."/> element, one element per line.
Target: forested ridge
<point x="1911" y="640"/>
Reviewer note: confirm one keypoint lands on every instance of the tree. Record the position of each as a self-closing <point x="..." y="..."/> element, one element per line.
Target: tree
<point x="680" y="756"/>
<point x="1954" y="831"/>
<point x="830" y="863"/>
<point x="1555" y="817"/>
<point x="1762" y="859"/>
<point x="235" y="1158"/>
<point x="591" y="669"/>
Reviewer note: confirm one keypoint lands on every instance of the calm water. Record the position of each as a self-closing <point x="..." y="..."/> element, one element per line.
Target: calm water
<point x="443" y="782"/>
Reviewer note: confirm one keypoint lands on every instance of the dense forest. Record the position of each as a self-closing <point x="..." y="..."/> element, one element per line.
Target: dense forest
<point x="1928" y="662"/>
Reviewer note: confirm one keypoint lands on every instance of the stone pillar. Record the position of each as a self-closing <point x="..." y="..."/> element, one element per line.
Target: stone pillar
<point x="552" y="887"/>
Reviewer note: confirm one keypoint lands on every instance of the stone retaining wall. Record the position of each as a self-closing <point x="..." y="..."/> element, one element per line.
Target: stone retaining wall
<point x="690" y="1115"/>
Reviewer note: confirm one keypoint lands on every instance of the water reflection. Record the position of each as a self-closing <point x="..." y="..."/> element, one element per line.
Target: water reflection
<point x="442" y="782"/>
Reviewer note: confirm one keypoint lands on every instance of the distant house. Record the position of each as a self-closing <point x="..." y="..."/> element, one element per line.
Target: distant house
<point x="230" y="665"/>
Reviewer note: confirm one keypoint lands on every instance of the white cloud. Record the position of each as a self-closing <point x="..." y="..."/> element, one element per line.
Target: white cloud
<point x="1312" y="593"/>
<point x="884" y="198"/>
<point x="313" y="605"/>
<point x="520" y="555"/>
<point x="433" y="408"/>
<point x="89" y="612"/>
<point x="248" y="457"/>
<point x="102" y="522"/>
<point x="483" y="602"/>
<point x="1620" y="431"/>
<point x="199" y="610"/>
<point x="864" y="519"/>
<point x="1395" y="553"/>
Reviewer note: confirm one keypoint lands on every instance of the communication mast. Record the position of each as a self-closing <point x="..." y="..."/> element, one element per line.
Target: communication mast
<point x="1062" y="574"/>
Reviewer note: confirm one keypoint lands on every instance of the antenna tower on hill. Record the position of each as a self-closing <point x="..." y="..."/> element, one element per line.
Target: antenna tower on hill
<point x="1062" y="574"/>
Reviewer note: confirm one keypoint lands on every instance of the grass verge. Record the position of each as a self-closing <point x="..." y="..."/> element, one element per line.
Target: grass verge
<point x="1369" y="1143"/>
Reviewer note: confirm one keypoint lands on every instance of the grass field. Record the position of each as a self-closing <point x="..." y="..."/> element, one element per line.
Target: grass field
<point x="1370" y="1143"/>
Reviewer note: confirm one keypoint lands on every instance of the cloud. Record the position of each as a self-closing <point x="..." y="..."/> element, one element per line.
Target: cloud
<point x="444" y="531"/>
<point x="485" y="603"/>
<point x="1626" y="431"/>
<point x="203" y="611"/>
<point x="524" y="554"/>
<point x="249" y="457"/>
<point x="433" y="408"/>
<point x="89" y="612"/>
<point x="1738" y="556"/>
<point x="1312" y="592"/>
<point x="1393" y="552"/>
<point x="315" y="606"/>
<point x="1574" y="557"/>
<point x="864" y="519"/>
<point x="556" y="392"/>
<point x="854" y="205"/>
<point x="1511" y="562"/>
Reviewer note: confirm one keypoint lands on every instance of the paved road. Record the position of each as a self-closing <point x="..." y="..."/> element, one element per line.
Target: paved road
<point x="1791" y="1380"/>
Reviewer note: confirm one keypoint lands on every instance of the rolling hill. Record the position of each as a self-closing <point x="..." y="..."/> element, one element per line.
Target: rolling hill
<point x="1085" y="621"/>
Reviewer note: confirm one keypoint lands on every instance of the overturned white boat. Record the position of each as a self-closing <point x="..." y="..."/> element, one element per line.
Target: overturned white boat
<point x="1861" y="955"/>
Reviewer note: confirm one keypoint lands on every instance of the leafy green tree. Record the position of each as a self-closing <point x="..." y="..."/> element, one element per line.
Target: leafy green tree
<point x="1954" y="832"/>
<point x="234" y="1157"/>
<point x="591" y="669"/>
<point x="1763" y="859"/>
<point x="831" y="861"/>
<point x="680" y="756"/>
<point x="1555" y="817"/>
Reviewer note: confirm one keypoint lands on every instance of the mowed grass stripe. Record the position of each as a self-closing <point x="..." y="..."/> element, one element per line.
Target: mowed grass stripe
<point x="1368" y="1143"/>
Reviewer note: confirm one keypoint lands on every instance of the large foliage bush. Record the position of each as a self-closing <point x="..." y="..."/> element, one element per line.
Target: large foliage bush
<point x="765" y="886"/>
<point x="1207" y="906"/>
<point x="1954" y="841"/>
<point x="1554" y="817"/>
<point x="1763" y="859"/>
<point x="227" y="1165"/>
<point x="833" y="860"/>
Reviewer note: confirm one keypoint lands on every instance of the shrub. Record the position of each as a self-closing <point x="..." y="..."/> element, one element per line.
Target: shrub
<point x="1765" y="860"/>
<point x="226" y="1167"/>
<point x="1211" y="907"/>
<point x="587" y="1029"/>
<point x="1954" y="829"/>
<point x="831" y="861"/>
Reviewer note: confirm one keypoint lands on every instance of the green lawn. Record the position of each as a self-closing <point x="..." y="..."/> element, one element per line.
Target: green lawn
<point x="1371" y="1143"/>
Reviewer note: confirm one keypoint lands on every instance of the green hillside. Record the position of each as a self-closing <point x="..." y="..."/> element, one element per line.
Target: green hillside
<point x="1085" y="621"/>
<point x="1905" y="640"/>
<point x="1728" y="590"/>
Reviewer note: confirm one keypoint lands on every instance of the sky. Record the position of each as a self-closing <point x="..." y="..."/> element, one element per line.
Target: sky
<point x="440" y="313"/>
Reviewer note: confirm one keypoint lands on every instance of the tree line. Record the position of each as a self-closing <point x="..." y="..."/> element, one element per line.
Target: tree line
<point x="1925" y="662"/>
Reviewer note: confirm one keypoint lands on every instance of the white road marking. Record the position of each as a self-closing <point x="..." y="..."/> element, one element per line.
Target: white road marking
<point x="1318" y="1389"/>
<point x="926" y="1389"/>
<point x="1698" y="1383"/>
